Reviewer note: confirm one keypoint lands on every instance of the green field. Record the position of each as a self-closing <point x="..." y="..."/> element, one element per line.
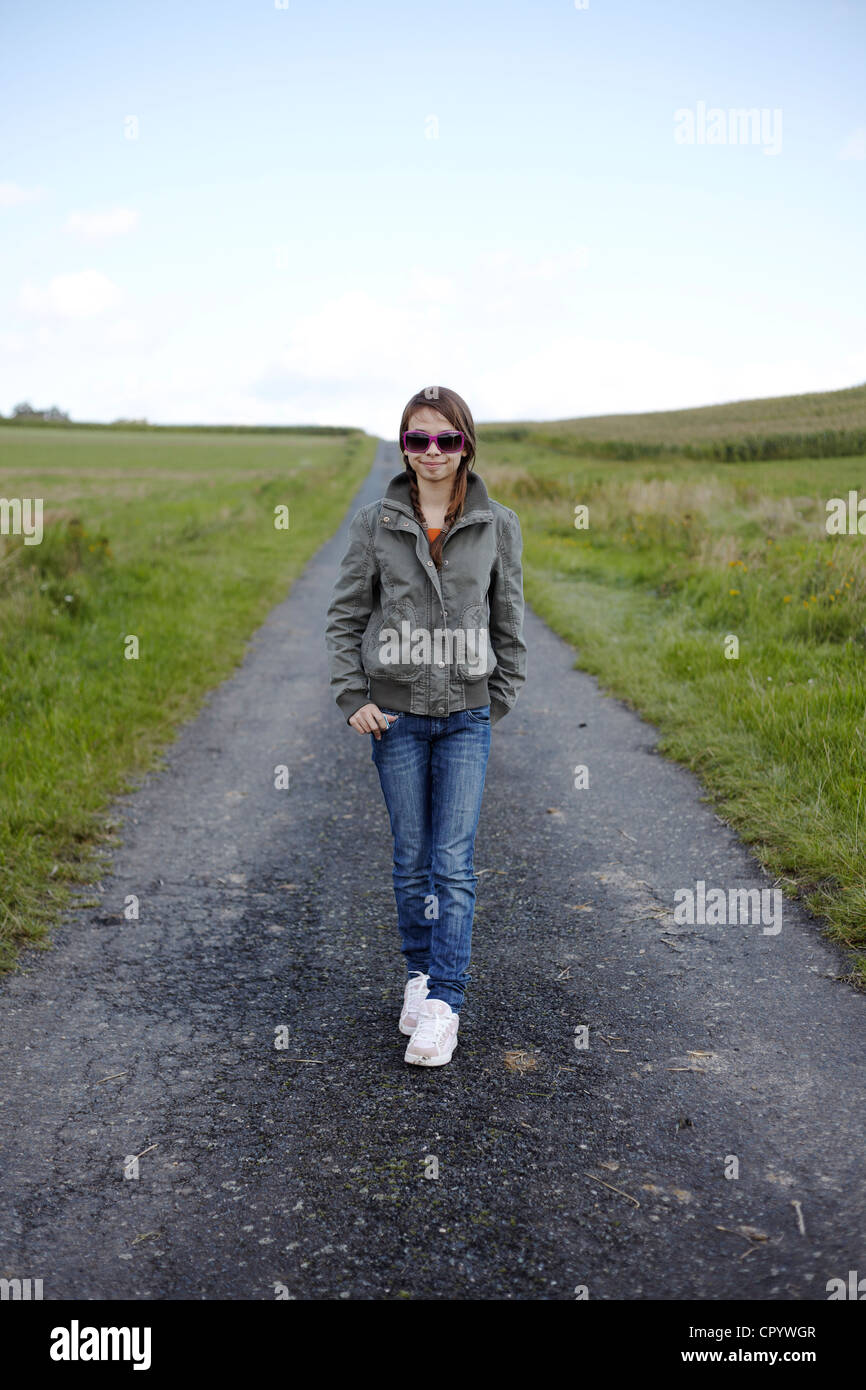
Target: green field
<point x="165" y="535"/>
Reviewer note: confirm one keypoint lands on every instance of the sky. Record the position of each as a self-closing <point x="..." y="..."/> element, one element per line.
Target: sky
<point x="290" y="212"/>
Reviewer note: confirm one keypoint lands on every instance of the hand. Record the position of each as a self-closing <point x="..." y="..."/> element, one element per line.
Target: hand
<point x="369" y="719"/>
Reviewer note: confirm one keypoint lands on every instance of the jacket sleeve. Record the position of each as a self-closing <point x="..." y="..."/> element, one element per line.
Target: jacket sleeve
<point x="506" y="621"/>
<point x="348" y="613"/>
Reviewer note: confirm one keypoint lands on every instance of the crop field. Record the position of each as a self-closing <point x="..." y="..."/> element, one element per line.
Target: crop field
<point x="824" y="424"/>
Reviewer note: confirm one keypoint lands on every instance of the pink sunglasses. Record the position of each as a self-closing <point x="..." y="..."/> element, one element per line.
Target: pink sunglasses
<point x="446" y="441"/>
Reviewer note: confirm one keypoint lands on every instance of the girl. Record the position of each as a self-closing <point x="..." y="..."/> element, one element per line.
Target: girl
<point x="426" y="653"/>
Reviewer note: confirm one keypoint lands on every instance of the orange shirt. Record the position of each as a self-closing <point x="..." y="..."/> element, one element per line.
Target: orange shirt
<point x="433" y="532"/>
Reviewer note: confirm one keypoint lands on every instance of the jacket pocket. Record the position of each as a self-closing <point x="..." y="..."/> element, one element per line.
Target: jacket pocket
<point x="386" y="649"/>
<point x="473" y="654"/>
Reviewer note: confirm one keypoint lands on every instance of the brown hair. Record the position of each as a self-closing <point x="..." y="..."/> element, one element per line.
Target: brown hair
<point x="458" y="414"/>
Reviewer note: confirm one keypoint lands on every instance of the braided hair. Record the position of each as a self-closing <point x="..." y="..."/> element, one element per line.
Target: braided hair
<point x="455" y="507"/>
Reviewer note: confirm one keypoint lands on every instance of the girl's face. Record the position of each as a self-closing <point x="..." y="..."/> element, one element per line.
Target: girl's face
<point x="432" y="465"/>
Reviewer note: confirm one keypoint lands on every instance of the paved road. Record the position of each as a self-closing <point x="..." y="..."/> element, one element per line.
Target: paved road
<point x="262" y="908"/>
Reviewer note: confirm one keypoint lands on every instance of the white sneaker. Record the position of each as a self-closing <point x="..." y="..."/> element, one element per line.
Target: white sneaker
<point x="435" y="1038"/>
<point x="415" y="991"/>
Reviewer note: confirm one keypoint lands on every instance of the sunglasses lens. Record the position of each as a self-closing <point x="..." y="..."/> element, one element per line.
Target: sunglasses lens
<point x="450" y="442"/>
<point x="417" y="442"/>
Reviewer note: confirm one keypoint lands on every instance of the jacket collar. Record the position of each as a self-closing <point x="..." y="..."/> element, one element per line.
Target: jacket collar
<point x="476" y="507"/>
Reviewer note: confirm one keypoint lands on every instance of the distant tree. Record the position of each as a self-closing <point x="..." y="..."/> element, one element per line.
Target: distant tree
<point x="25" y="411"/>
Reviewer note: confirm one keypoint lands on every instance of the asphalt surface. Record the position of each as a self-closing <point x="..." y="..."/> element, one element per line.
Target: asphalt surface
<point x="267" y="1176"/>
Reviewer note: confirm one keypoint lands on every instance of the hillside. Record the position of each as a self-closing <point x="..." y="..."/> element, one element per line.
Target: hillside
<point x="818" y="424"/>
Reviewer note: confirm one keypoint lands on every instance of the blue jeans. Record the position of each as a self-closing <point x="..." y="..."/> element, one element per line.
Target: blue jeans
<point x="432" y="773"/>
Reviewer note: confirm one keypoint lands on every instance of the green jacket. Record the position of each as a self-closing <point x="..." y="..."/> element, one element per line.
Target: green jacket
<point x="389" y="594"/>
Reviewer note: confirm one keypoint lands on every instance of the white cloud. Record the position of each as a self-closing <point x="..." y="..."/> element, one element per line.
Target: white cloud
<point x="357" y="343"/>
<point x="101" y="226"/>
<point x="123" y="333"/>
<point x="349" y="338"/>
<point x="855" y="145"/>
<point x="517" y="349"/>
<point x="79" y="295"/>
<point x="557" y="267"/>
<point x="12" y="194"/>
<point x="358" y="352"/>
<point x="521" y="337"/>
